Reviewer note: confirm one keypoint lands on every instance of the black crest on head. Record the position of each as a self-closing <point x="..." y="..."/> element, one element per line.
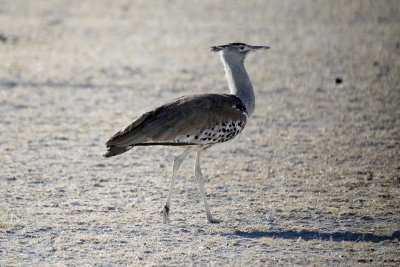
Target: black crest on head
<point x="220" y="47"/>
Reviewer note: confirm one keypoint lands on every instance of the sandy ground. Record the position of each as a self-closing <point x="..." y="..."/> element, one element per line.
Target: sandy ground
<point x="314" y="179"/>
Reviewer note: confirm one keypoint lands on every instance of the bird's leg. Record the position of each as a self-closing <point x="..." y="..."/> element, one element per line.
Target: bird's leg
<point x="177" y="163"/>
<point x="199" y="178"/>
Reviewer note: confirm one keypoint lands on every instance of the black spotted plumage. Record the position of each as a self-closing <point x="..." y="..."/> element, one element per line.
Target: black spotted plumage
<point x="188" y="120"/>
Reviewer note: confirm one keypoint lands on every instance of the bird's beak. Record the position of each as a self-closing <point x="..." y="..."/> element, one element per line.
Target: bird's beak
<point x="216" y="48"/>
<point x="259" y="47"/>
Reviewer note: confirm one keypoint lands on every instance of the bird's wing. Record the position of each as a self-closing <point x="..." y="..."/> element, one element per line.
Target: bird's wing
<point x="186" y="115"/>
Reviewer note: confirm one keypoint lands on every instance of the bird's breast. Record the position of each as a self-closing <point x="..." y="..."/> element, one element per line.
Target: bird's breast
<point x="221" y="132"/>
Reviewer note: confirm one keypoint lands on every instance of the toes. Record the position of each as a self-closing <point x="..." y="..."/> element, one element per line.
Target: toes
<point x="212" y="220"/>
<point x="165" y="212"/>
<point x="165" y="218"/>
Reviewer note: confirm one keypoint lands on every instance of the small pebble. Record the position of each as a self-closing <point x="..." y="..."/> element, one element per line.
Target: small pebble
<point x="270" y="218"/>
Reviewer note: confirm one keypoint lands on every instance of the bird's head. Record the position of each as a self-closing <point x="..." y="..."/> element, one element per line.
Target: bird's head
<point x="239" y="50"/>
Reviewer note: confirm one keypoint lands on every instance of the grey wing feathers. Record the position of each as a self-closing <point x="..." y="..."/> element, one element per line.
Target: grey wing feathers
<point x="128" y="131"/>
<point x="182" y="116"/>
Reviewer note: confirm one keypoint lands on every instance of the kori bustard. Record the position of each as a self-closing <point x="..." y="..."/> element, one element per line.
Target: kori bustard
<point x="195" y="122"/>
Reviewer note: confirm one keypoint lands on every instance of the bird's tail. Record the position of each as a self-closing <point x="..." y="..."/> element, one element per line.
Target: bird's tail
<point x="114" y="150"/>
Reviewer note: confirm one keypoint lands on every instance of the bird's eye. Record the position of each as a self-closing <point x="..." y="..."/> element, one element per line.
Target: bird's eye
<point x="241" y="48"/>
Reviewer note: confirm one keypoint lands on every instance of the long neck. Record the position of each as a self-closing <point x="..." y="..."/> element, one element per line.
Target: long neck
<point x="239" y="82"/>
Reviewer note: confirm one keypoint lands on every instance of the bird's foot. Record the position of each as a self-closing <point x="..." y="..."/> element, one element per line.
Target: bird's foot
<point x="213" y="220"/>
<point x="165" y="213"/>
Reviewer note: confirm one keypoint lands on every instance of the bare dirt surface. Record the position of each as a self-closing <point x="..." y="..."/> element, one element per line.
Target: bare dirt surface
<point x="314" y="179"/>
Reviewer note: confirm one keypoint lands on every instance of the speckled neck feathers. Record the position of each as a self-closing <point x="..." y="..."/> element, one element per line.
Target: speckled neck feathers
<point x="238" y="80"/>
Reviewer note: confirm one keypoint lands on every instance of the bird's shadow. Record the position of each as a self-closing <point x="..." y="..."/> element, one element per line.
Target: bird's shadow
<point x="315" y="235"/>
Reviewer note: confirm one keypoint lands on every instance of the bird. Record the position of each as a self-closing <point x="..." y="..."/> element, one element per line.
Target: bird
<point x="195" y="122"/>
